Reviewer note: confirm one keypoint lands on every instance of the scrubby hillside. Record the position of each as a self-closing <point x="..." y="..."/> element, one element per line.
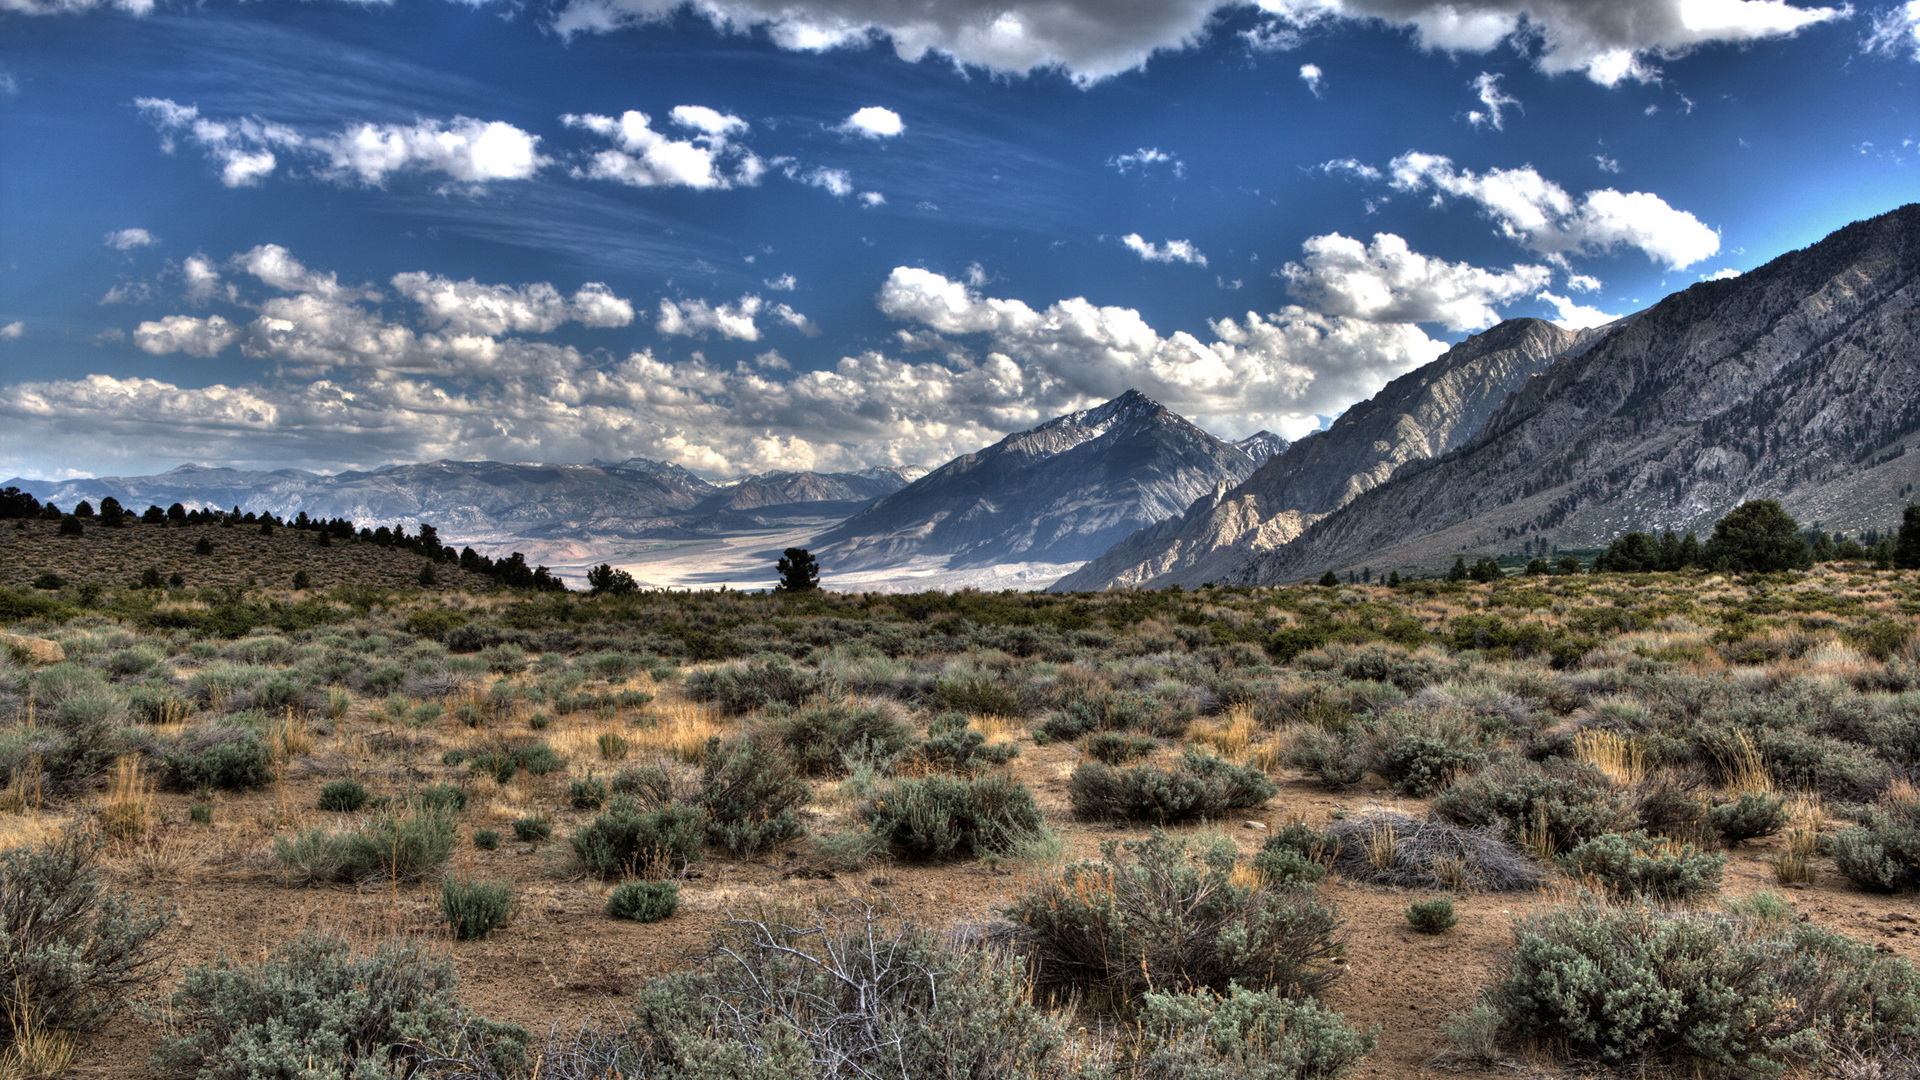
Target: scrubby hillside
<point x="239" y="555"/>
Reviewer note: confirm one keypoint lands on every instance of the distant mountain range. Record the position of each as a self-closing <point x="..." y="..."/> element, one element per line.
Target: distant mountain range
<point x="1799" y="380"/>
<point x="497" y="503"/>
<point x="1063" y="492"/>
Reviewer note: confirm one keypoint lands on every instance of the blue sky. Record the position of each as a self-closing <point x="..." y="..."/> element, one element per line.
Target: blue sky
<point x="743" y="235"/>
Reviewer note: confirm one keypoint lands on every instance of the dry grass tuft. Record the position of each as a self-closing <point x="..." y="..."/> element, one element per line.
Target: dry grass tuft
<point x="1746" y="772"/>
<point x="24" y="792"/>
<point x="127" y="812"/>
<point x="1231" y="735"/>
<point x="1618" y="757"/>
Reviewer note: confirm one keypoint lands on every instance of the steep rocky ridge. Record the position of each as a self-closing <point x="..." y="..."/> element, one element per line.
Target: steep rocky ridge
<point x="1419" y="415"/>
<point x="1060" y="493"/>
<point x="1799" y="381"/>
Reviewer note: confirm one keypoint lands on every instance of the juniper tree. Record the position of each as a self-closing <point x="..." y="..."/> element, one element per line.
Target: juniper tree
<point x="799" y="572"/>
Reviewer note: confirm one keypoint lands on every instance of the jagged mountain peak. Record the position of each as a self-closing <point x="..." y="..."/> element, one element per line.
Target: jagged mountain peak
<point x="1060" y="492"/>
<point x="1417" y="416"/>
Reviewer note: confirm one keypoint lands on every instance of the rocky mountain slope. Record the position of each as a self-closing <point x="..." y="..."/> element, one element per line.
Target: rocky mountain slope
<point x="1799" y="381"/>
<point x="1420" y="415"/>
<point x="1062" y="492"/>
<point x="785" y="488"/>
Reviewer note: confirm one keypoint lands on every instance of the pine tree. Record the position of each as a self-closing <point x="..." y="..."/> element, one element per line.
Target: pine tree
<point x="799" y="572"/>
<point x="1906" y="545"/>
<point x="1459" y="571"/>
<point x="1329" y="580"/>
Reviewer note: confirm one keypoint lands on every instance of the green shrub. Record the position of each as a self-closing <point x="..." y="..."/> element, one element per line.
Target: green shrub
<point x="1198" y="786"/>
<point x="1749" y="817"/>
<point x="1338" y="759"/>
<point x="1636" y="864"/>
<point x="587" y="793"/>
<point x="533" y="828"/>
<point x="952" y="746"/>
<point x="875" y="998"/>
<point x="627" y="839"/>
<point x="486" y="839"/>
<point x="1882" y="854"/>
<point x="1292" y="856"/>
<point x="743" y="686"/>
<point x="644" y="901"/>
<point x="1698" y="992"/>
<point x="344" y="796"/>
<point x="1420" y="764"/>
<point x="313" y="1011"/>
<point x="821" y="737"/>
<point x="200" y="814"/>
<point x="1118" y="748"/>
<point x="475" y="908"/>
<point x="231" y="757"/>
<point x="539" y="759"/>
<point x="398" y="846"/>
<point x="1245" y="1035"/>
<point x="70" y="951"/>
<point x="750" y="792"/>
<point x="1432" y="916"/>
<point x="444" y="798"/>
<point x="498" y="764"/>
<point x="1118" y="710"/>
<point x="941" y="817"/>
<point x="1151" y="917"/>
<point x="1555" y="805"/>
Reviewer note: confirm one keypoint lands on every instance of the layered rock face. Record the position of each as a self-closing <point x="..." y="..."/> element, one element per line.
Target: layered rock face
<point x="1420" y="415"/>
<point x="1798" y="381"/>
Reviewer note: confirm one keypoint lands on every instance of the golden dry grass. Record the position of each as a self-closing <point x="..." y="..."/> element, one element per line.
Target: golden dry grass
<point x="1619" y="758"/>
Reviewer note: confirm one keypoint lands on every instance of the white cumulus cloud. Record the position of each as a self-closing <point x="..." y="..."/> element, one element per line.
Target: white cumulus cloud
<point x="1171" y="251"/>
<point x="708" y="159"/>
<point x="1540" y="214"/>
<point x="1386" y="281"/>
<point x="1092" y="40"/>
<point x="351" y="376"/>
<point x="874" y="122"/>
<point x="1607" y="40"/>
<point x="469" y="307"/>
<point x="737" y="321"/>
<point x="1576" y="316"/>
<point x="249" y="149"/>
<point x="12" y="330"/>
<point x="1280" y="371"/>
<point x="1313" y="77"/>
<point x="128" y="239"/>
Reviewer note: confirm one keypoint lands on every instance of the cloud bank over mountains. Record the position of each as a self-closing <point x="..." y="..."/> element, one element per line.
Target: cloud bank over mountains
<point x="427" y="366"/>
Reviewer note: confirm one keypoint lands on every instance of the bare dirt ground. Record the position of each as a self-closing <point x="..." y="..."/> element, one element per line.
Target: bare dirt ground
<point x="563" y="961"/>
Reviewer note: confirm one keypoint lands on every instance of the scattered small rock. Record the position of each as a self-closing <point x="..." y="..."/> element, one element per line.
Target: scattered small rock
<point x="880" y="881"/>
<point x="1253" y="825"/>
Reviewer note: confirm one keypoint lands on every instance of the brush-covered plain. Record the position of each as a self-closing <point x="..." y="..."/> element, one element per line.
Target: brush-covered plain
<point x="1288" y="834"/>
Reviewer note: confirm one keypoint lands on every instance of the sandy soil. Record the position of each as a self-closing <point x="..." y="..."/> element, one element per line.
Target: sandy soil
<point x="562" y="961"/>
